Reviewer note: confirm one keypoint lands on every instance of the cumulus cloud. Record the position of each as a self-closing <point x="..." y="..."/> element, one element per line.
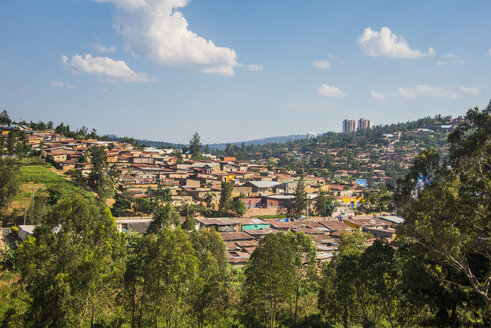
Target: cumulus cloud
<point x="157" y="30"/>
<point x="428" y="91"/>
<point x="99" y="47"/>
<point x="489" y="52"/>
<point x="322" y="64"/>
<point x="377" y="95"/>
<point x="470" y="91"/>
<point x="254" y="67"/>
<point x="331" y="92"/>
<point x="106" y="68"/>
<point x="387" y="44"/>
<point x="61" y="85"/>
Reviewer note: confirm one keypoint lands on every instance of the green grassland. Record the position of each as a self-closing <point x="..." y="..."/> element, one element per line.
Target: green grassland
<point x="37" y="176"/>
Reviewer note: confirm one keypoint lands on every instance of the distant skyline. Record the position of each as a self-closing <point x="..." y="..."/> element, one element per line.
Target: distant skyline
<point x="240" y="70"/>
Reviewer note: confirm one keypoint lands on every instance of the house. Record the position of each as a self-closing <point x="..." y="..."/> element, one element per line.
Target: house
<point x="335" y="225"/>
<point x="252" y="202"/>
<point x="219" y="224"/>
<point x="360" y="223"/>
<point x="262" y="187"/>
<point x="258" y="234"/>
<point x="133" y="225"/>
<point x="25" y="231"/>
<point x="252" y="224"/>
<point x="277" y="201"/>
<point x="235" y="236"/>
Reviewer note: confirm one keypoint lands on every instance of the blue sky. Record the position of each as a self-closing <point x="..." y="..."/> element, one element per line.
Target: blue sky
<point x="238" y="70"/>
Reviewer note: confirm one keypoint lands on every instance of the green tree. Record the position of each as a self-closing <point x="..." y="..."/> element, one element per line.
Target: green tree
<point x="195" y="146"/>
<point x="164" y="216"/>
<point x="170" y="270"/>
<point x="269" y="280"/>
<point x="70" y="265"/>
<point x="209" y="292"/>
<point x="189" y="224"/>
<point x="9" y="184"/>
<point x="305" y="263"/>
<point x="340" y="292"/>
<point x="102" y="178"/>
<point x="325" y="205"/>
<point x="238" y="207"/>
<point x="209" y="200"/>
<point x="4" y="118"/>
<point x="450" y="217"/>
<point x="225" y="203"/>
<point x="122" y="205"/>
<point x="299" y="204"/>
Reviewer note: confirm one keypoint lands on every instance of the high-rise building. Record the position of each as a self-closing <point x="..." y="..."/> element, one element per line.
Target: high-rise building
<point x="363" y="123"/>
<point x="349" y="126"/>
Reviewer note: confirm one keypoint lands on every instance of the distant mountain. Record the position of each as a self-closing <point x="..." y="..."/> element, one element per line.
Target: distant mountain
<point x="220" y="146"/>
<point x="262" y="141"/>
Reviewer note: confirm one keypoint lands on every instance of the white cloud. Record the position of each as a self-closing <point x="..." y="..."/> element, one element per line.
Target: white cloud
<point x="470" y="91"/>
<point x="99" y="47"/>
<point x="331" y="92"/>
<point x="387" y="44"/>
<point x="336" y="58"/>
<point x="106" y="68"/>
<point x="61" y="85"/>
<point x="322" y="64"/>
<point x="450" y="59"/>
<point x="157" y="30"/>
<point x="450" y="55"/>
<point x="428" y="91"/>
<point x="376" y="95"/>
<point x="254" y="67"/>
<point x="489" y="52"/>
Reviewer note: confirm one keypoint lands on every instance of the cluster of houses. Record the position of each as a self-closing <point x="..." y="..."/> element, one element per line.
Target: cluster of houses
<point x="263" y="191"/>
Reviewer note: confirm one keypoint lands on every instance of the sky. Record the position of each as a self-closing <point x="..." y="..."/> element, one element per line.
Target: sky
<point x="235" y="70"/>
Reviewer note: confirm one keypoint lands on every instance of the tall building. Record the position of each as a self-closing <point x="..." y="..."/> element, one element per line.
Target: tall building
<point x="363" y="123"/>
<point x="349" y="126"/>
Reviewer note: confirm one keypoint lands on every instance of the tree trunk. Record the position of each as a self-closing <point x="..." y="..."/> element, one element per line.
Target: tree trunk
<point x="296" y="304"/>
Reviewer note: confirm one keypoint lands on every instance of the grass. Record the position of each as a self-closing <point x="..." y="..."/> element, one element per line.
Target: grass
<point x="37" y="176"/>
<point x="277" y="216"/>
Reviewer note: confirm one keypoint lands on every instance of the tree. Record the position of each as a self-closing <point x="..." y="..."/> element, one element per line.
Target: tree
<point x="269" y="280"/>
<point x="195" y="146"/>
<point x="238" y="207"/>
<point x="122" y="205"/>
<point x="225" y="203"/>
<point x="210" y="290"/>
<point x="450" y="216"/>
<point x="299" y="204"/>
<point x="189" y="224"/>
<point x="9" y="184"/>
<point x="170" y="270"/>
<point x="102" y="178"/>
<point x="70" y="266"/>
<point x="209" y="200"/>
<point x="164" y="216"/>
<point x="4" y="117"/>
<point x="340" y="289"/>
<point x="325" y="205"/>
<point x="305" y="263"/>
